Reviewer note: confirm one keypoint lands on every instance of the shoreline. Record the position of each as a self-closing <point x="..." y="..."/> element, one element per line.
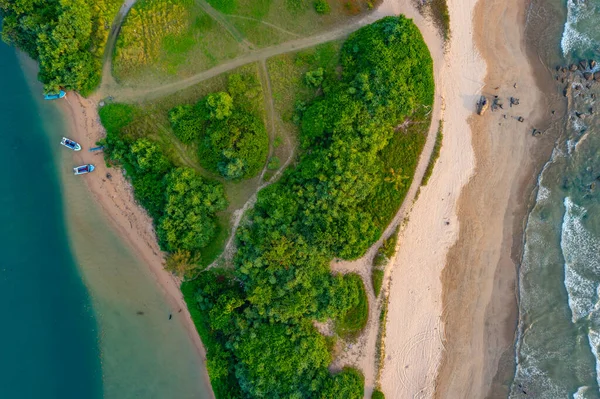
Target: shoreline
<point x="480" y="279"/>
<point x="114" y="196"/>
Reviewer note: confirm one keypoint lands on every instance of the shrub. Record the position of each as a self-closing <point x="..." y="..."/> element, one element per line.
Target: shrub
<point x="355" y="319"/>
<point x="186" y="123"/>
<point x="314" y="78"/>
<point x="377" y="280"/>
<point x="236" y="147"/>
<point x="435" y="154"/>
<point x="377" y="394"/>
<point x="322" y="7"/>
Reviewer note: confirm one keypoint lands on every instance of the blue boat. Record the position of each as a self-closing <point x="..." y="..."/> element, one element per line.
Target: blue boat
<point x="60" y="94"/>
<point x="83" y="169"/>
<point x="70" y="144"/>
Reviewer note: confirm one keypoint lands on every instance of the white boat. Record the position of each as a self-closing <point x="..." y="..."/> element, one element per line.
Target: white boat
<point x="83" y="169"/>
<point x="73" y="145"/>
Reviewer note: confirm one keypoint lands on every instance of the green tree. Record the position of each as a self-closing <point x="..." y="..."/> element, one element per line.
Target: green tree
<point x="219" y="105"/>
<point x="314" y="78"/>
<point x="188" y="222"/>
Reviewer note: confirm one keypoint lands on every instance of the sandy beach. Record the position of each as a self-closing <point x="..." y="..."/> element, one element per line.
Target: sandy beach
<point x="114" y="195"/>
<point x="452" y="310"/>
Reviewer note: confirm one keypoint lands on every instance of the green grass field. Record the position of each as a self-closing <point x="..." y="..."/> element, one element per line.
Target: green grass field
<point x="167" y="40"/>
<point x="267" y="22"/>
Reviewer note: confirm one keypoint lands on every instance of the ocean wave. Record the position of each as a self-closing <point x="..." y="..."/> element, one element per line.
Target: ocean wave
<point x="581" y="293"/>
<point x="584" y="392"/>
<point x="594" y="341"/>
<point x="531" y="379"/>
<point x="582" y="266"/>
<point x="572" y="38"/>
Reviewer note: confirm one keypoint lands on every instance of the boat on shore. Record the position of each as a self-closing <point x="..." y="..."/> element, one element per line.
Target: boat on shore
<point x="73" y="145"/>
<point x="83" y="169"/>
<point x="60" y="94"/>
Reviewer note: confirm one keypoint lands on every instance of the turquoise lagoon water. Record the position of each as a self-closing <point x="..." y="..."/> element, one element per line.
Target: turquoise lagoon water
<point x="82" y="316"/>
<point x="558" y="349"/>
<point x="48" y="334"/>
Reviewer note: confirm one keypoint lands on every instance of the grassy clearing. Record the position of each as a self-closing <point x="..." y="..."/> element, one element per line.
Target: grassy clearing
<point x="169" y="39"/>
<point x="435" y="154"/>
<point x="268" y="22"/>
<point x="150" y="120"/>
<point x="353" y="322"/>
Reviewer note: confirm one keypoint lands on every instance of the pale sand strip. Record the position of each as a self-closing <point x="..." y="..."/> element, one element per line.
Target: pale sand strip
<point x="414" y="336"/>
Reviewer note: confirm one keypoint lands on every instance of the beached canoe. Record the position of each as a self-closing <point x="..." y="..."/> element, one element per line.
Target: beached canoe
<point x="60" y="94"/>
<point x="73" y="145"/>
<point x="83" y="169"/>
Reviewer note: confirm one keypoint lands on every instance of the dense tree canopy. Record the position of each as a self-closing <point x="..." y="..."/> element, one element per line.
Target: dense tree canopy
<point x="67" y="37"/>
<point x="260" y="333"/>
<point x="232" y="141"/>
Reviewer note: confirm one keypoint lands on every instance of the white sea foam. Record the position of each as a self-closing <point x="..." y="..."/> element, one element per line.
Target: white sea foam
<point x="594" y="340"/>
<point x="582" y="264"/>
<point x="542" y="195"/>
<point x="581" y="292"/>
<point x="571" y="37"/>
<point x="583" y="392"/>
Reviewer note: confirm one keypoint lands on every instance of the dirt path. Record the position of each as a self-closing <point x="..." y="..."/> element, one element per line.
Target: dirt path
<point x="107" y="78"/>
<point x="124" y="94"/>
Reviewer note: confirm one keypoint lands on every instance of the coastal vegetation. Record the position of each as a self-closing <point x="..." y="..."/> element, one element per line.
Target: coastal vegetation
<point x="258" y="315"/>
<point x="377" y="394"/>
<point x="437" y="11"/>
<point x="66" y="37"/>
<point x="182" y="203"/>
<point x="177" y="126"/>
<point x="161" y="39"/>
<point x="435" y="154"/>
<point x="385" y="252"/>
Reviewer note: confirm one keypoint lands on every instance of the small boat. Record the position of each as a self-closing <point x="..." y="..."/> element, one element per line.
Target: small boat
<point x="100" y="148"/>
<point x="83" y="169"/>
<point x="70" y="144"/>
<point x="60" y="94"/>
